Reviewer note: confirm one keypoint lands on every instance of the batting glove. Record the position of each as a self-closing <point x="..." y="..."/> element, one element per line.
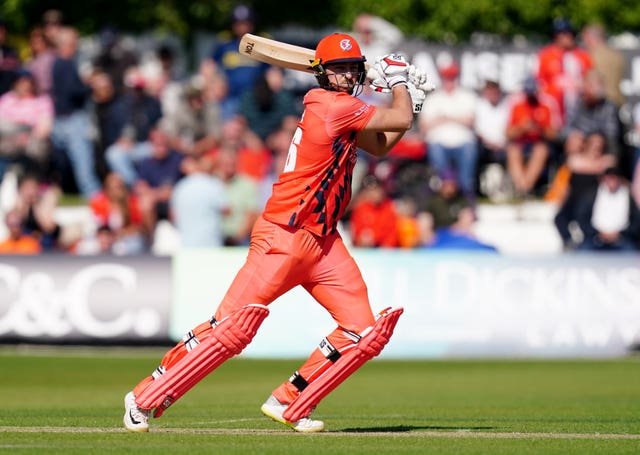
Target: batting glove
<point x="418" y="78"/>
<point x="392" y="68"/>
<point x="378" y="83"/>
<point x="418" y="96"/>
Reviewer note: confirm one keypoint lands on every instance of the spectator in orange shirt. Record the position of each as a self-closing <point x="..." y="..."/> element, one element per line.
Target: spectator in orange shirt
<point x="116" y="207"/>
<point x="373" y="221"/>
<point x="18" y="242"/>
<point x="562" y="65"/>
<point x="530" y="130"/>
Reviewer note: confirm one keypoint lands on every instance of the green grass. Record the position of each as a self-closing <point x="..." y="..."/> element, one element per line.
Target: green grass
<point x="69" y="400"/>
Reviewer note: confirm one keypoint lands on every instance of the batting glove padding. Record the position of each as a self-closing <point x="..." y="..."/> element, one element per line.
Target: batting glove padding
<point x="417" y="97"/>
<point x="392" y="69"/>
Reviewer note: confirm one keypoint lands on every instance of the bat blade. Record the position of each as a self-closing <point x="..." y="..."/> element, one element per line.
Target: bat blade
<point x="276" y="53"/>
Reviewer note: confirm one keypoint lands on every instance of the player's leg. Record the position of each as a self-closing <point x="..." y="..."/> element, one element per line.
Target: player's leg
<point x="339" y="287"/>
<point x="261" y="280"/>
<point x="536" y="164"/>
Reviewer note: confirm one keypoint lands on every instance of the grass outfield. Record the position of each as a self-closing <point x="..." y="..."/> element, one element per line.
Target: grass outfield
<point x="69" y="400"/>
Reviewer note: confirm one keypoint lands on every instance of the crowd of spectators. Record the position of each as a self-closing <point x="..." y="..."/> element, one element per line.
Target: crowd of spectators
<point x="200" y="152"/>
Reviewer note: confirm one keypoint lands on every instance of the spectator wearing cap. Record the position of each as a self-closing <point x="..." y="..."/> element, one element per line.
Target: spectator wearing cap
<point x="530" y="132"/>
<point x="447" y="121"/>
<point x="562" y="65"/>
<point x="9" y="60"/>
<point x="241" y="71"/>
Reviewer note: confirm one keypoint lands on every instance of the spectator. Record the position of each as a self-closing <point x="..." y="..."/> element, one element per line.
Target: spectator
<point x="100" y="242"/>
<point x="114" y="58"/>
<point x="530" y="132"/>
<point x="164" y="79"/>
<point x="446" y="121"/>
<point x="9" y="60"/>
<point x="214" y="84"/>
<point x="118" y="209"/>
<point x="583" y="169"/>
<point x="562" y="65"/>
<point x="609" y="62"/>
<point x="71" y="130"/>
<point x="612" y="222"/>
<point x="242" y="197"/>
<point x="52" y="24"/>
<point x="26" y="123"/>
<point x="376" y="36"/>
<point x="241" y="71"/>
<point x="36" y="204"/>
<point x="407" y="223"/>
<point x="490" y="126"/>
<point x="594" y="113"/>
<point x="18" y="242"/>
<point x="373" y="221"/>
<point x="40" y="64"/>
<point x="268" y="104"/>
<point x="198" y="204"/>
<point x="105" y="118"/>
<point x="445" y="219"/>
<point x="196" y="126"/>
<point x="279" y="144"/>
<point x="133" y="116"/>
<point x="157" y="176"/>
<point x="635" y="183"/>
<point x="254" y="159"/>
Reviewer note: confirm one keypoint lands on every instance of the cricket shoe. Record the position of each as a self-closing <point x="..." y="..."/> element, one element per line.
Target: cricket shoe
<point x="274" y="409"/>
<point x="135" y="419"/>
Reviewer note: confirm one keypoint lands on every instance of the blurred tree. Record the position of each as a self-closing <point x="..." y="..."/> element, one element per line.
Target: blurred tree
<point x="435" y="20"/>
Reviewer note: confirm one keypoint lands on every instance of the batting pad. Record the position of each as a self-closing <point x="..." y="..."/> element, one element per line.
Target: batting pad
<point x="228" y="338"/>
<point x="372" y="341"/>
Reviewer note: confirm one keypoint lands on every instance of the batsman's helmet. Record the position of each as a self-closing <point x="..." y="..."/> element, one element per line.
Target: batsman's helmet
<point x="337" y="48"/>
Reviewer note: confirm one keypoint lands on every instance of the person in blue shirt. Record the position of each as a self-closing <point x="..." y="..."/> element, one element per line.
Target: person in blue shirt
<point x="241" y="71"/>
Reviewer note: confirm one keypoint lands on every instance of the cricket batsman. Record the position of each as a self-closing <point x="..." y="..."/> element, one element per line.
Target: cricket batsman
<point x="296" y="242"/>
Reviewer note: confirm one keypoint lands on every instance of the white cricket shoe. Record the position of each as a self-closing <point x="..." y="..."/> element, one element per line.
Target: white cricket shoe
<point x="274" y="409"/>
<point x="135" y="419"/>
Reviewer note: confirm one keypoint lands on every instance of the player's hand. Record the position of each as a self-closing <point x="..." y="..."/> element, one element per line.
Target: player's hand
<point x="418" y="77"/>
<point x="392" y="69"/>
<point x="417" y="92"/>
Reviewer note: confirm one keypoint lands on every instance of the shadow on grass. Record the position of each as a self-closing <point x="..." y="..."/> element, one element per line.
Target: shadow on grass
<point x="404" y="428"/>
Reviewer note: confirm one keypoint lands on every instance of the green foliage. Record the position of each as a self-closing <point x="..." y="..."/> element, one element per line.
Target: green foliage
<point x="450" y="21"/>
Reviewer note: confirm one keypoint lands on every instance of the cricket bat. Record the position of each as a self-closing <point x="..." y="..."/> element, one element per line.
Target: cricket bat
<point x="277" y="53"/>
